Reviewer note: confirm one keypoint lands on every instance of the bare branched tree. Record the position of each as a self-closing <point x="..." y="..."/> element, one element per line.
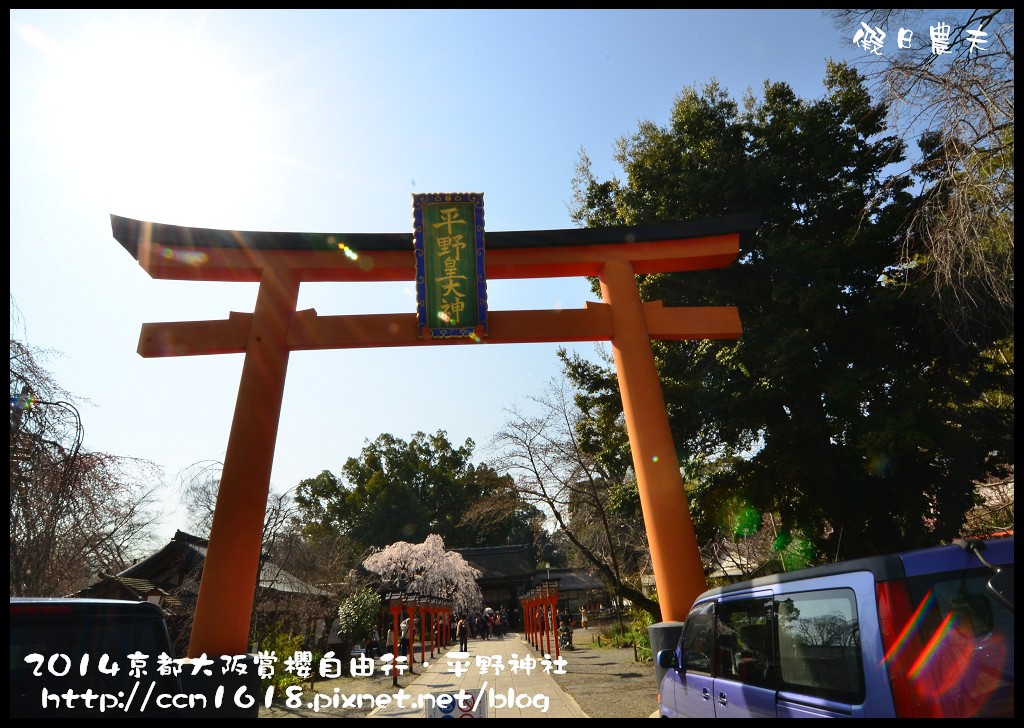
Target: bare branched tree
<point x="200" y="486"/>
<point x="545" y="456"/>
<point x="734" y="558"/>
<point x="994" y="512"/>
<point x="959" y="104"/>
<point x="324" y="563"/>
<point x="73" y="512"/>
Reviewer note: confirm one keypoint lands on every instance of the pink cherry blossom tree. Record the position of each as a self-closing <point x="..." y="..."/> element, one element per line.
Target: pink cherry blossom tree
<point x="427" y="568"/>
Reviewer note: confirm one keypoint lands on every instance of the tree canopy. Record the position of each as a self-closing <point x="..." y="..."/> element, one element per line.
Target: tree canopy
<point x="405" y="491"/>
<point x="847" y="406"/>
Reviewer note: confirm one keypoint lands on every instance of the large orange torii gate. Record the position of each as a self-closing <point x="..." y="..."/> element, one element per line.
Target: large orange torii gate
<point x="280" y="261"/>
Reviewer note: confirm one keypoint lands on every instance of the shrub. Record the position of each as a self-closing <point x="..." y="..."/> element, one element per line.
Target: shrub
<point x="634" y="633"/>
<point x="357" y="615"/>
<point x="282" y="644"/>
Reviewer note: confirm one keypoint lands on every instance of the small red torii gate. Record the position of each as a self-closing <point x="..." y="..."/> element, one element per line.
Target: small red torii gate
<point x="280" y="261"/>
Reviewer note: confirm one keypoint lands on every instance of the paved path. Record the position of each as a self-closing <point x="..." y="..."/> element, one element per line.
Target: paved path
<point x="529" y="691"/>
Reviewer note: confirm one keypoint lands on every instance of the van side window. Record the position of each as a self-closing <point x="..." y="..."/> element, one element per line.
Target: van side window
<point x="698" y="638"/>
<point x="744" y="647"/>
<point x="819" y="644"/>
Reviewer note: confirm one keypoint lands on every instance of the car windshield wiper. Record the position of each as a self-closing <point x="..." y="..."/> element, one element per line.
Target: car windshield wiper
<point x="1000" y="584"/>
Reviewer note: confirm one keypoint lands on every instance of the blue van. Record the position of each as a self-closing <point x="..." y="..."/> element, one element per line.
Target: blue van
<point x="921" y="634"/>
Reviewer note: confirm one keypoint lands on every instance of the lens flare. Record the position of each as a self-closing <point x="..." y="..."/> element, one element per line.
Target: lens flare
<point x="349" y="253"/>
<point x="798" y="554"/>
<point x="908" y="630"/>
<point x="951" y="658"/>
<point x="879" y="465"/>
<point x="746" y="522"/>
<point x="22" y="401"/>
<point x="188" y="257"/>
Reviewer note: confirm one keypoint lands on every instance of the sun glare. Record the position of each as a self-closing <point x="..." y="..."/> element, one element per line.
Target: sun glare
<point x="150" y="124"/>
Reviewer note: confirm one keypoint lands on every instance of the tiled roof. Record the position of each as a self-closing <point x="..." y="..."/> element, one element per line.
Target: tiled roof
<point x="112" y="586"/>
<point x="275" y="578"/>
<point x="570" y="579"/>
<point x="500" y="562"/>
<point x="181" y="561"/>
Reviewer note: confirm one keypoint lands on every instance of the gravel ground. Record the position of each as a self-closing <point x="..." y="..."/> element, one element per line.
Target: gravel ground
<point x="606" y="682"/>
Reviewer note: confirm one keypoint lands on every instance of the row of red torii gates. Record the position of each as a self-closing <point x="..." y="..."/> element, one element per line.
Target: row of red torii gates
<point x="540" y="618"/>
<point x="280" y="261"/>
<point x="434" y="615"/>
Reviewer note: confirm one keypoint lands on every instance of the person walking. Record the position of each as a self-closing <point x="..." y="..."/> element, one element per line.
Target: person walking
<point x="373" y="643"/>
<point x="462" y="632"/>
<point x="403" y="638"/>
<point x="583" y="617"/>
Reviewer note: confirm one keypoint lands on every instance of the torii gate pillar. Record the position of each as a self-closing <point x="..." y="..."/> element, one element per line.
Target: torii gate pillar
<point x="670" y="532"/>
<point x="245" y="478"/>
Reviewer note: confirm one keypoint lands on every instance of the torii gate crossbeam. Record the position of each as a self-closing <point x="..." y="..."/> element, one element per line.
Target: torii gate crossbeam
<point x="281" y="261"/>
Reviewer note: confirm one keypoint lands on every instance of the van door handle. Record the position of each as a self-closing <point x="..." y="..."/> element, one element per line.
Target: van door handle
<point x="722" y="700"/>
<point x="706" y="694"/>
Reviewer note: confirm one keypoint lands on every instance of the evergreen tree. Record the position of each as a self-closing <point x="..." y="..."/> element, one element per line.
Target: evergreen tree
<point x="404" y="491"/>
<point x="847" y="406"/>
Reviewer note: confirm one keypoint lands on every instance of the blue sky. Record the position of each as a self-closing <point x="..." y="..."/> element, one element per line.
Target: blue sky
<point x="326" y="121"/>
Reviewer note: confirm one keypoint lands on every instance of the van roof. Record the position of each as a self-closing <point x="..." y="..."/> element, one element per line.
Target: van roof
<point x="914" y="562"/>
<point x="43" y="606"/>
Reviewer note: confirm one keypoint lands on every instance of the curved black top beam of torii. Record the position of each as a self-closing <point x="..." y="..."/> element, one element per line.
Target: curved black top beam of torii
<point x="130" y="232"/>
